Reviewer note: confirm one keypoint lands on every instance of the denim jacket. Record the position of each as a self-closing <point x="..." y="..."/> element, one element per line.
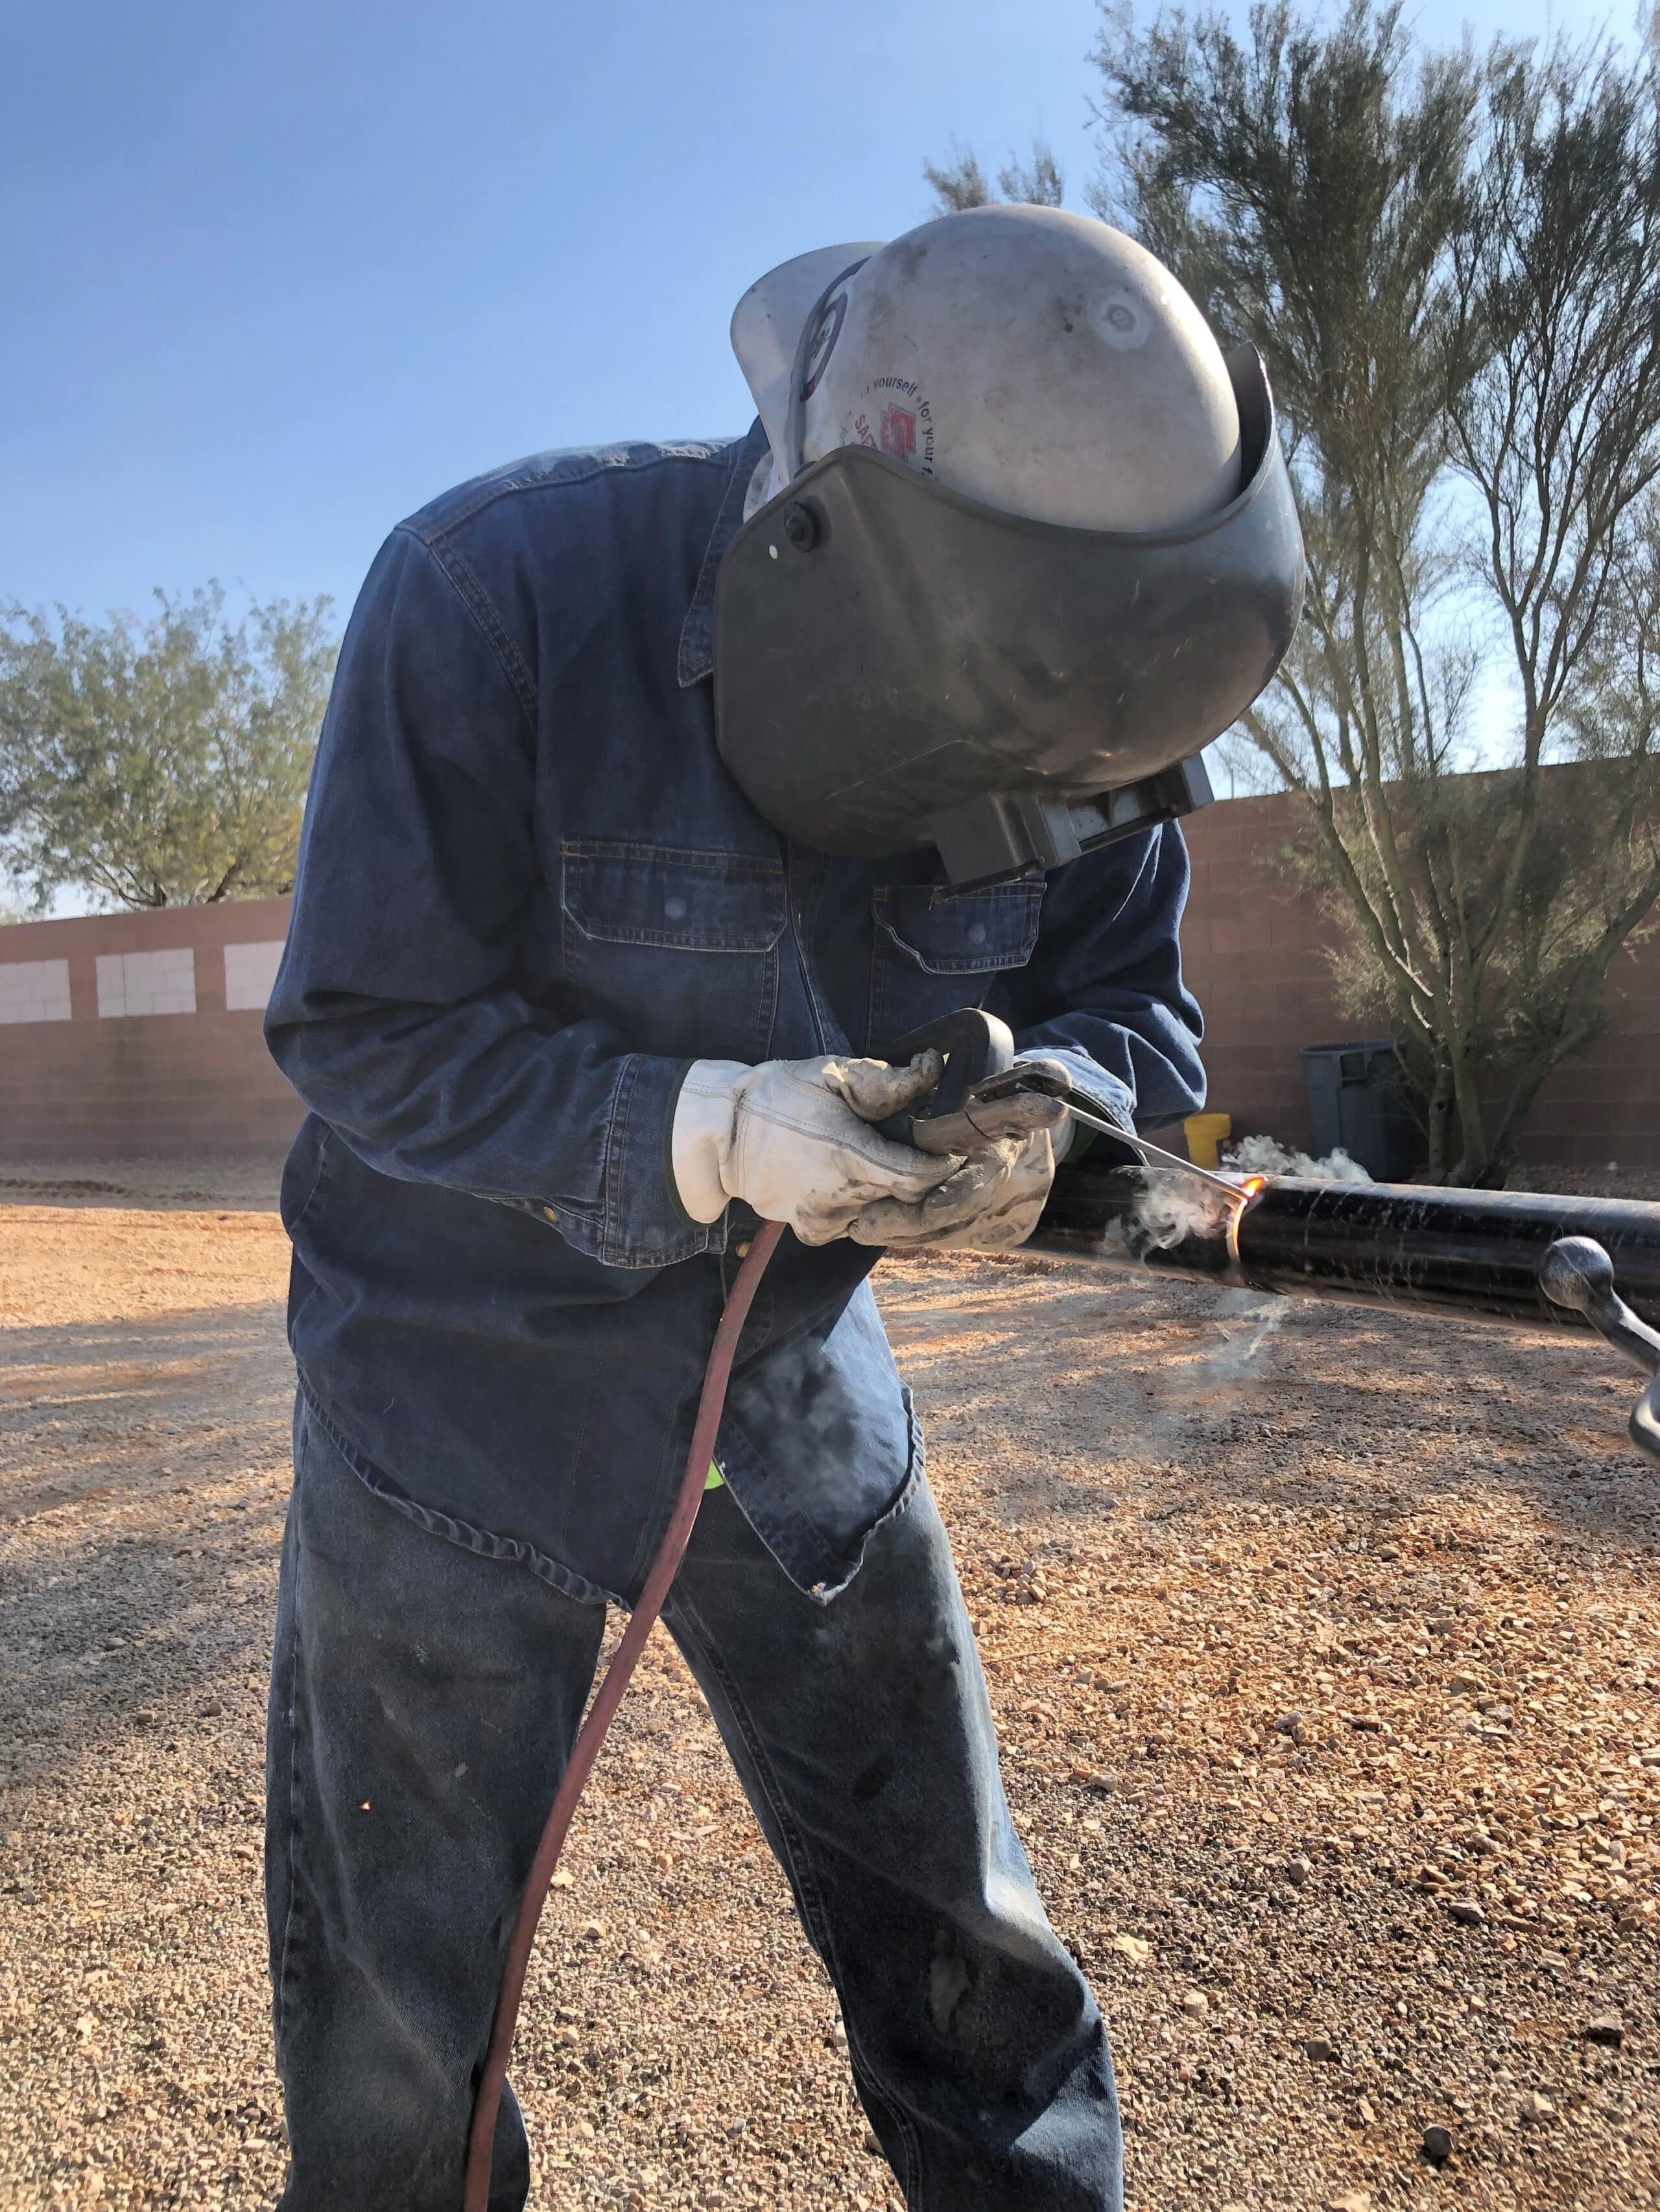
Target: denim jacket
<point x="528" y="896"/>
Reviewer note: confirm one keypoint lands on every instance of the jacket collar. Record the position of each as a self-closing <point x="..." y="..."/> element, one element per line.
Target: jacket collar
<point x="697" y="633"/>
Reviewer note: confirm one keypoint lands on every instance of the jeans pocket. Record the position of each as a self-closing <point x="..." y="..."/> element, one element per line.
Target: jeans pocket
<point x="937" y="949"/>
<point x="679" y="948"/>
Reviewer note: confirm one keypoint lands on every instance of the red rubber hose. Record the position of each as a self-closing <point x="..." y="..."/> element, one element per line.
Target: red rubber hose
<point x="482" y="2136"/>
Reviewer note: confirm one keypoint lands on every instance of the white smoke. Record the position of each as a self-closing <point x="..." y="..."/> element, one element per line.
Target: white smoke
<point x="1262" y="1156"/>
<point x="1245" y="1319"/>
<point x="1173" y="1206"/>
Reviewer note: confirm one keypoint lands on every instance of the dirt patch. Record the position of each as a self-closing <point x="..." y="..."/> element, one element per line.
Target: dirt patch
<point x="1326" y="1663"/>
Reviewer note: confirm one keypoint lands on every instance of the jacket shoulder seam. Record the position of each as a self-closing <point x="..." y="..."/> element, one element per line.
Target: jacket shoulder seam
<point x="448" y="561"/>
<point x="513" y="486"/>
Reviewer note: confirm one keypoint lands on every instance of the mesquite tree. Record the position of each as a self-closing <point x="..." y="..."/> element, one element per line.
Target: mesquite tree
<point x="961" y="183"/>
<point x="160" y="766"/>
<point x="1453" y="269"/>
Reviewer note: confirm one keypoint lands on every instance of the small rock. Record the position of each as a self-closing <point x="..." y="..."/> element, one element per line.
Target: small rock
<point x="1466" y="1909"/>
<point x="1195" y="2004"/>
<point x="1608" y="2027"/>
<point x="1132" y="1948"/>
<point x="594" y="1931"/>
<point x="872" y="2147"/>
<point x="211" y="1708"/>
<point x="1320" y="2048"/>
<point x="1537" y="2109"/>
<point x="1437" y="2145"/>
<point x="1291" y="1724"/>
<point x="1365" y="2113"/>
<point x="1298" y="1870"/>
<point x="1352" y="2200"/>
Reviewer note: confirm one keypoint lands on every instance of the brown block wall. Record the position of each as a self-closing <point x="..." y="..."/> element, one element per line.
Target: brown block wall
<point x="1253" y="953"/>
<point x="164" y="1086"/>
<point x="174" y="1085"/>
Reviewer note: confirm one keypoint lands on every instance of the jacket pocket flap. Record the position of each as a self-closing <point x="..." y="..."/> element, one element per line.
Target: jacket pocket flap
<point x="624" y="894"/>
<point x="962" y="932"/>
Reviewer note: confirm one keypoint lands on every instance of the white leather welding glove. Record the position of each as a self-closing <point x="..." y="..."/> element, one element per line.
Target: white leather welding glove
<point x="989" y="1204"/>
<point x="791" y="1139"/>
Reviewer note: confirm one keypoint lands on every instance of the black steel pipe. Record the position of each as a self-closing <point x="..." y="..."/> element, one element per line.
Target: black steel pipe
<point x="1470" y="1256"/>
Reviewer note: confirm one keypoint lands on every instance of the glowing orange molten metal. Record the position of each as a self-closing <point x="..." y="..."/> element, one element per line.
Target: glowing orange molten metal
<point x="1248" y="1190"/>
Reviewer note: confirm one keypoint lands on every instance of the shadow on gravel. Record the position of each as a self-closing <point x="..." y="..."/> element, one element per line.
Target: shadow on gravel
<point x="97" y="1407"/>
<point x="238" y="1183"/>
<point x="143" y="1470"/>
<point x="1283" y="1402"/>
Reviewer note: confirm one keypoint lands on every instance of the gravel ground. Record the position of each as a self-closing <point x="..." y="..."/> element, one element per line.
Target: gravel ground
<point x="1325" y="1655"/>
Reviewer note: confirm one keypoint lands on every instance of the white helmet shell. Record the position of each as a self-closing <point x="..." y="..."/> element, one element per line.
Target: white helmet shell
<point x="1037" y="361"/>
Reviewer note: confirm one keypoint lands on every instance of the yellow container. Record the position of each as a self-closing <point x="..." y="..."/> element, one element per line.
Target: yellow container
<point x="1204" y="1133"/>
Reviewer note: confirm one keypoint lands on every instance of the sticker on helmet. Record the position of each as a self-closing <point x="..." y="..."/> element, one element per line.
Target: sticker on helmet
<point x="894" y="417"/>
<point x="898" y="433"/>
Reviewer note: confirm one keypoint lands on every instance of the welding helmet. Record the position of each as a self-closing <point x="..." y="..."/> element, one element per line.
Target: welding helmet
<point x="1033" y="545"/>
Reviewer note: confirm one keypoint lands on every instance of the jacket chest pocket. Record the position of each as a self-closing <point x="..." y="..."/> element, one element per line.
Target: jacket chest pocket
<point x="679" y="949"/>
<point x="937" y="950"/>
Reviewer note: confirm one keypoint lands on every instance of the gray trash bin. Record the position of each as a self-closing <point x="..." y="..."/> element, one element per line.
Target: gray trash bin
<point x="1355" y="1102"/>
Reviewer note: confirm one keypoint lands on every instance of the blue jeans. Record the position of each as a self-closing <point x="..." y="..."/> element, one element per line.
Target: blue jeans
<point x="424" y="1701"/>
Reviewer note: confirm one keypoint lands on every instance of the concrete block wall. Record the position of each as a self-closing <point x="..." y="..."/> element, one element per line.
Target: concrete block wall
<point x="1253" y="954"/>
<point x="100" y="1054"/>
<point x="147" y="1042"/>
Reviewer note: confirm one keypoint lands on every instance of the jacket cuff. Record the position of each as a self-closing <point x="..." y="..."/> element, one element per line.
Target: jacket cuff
<point x="1089" y="1076"/>
<point x="638" y="1221"/>
<point x="642" y="1222"/>
<point x="1071" y="1139"/>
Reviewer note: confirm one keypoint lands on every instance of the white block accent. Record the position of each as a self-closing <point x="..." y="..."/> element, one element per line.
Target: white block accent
<point x="34" y="991"/>
<point x="146" y="982"/>
<point x="250" y="972"/>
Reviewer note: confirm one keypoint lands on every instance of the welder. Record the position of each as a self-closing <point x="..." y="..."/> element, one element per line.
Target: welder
<point x="660" y="786"/>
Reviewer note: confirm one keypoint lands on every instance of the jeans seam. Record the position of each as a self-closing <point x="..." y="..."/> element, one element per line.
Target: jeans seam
<point x="291" y="1839"/>
<point x="812" y="1906"/>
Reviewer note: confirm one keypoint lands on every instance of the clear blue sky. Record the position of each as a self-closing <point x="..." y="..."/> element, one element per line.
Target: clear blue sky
<point x="270" y="276"/>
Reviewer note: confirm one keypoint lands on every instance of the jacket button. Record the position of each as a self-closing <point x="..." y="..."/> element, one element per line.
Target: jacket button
<point x="548" y="1214"/>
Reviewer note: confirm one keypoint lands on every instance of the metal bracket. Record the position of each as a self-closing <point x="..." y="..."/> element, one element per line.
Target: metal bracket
<point x="986" y="840"/>
<point x="1577" y="1273"/>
